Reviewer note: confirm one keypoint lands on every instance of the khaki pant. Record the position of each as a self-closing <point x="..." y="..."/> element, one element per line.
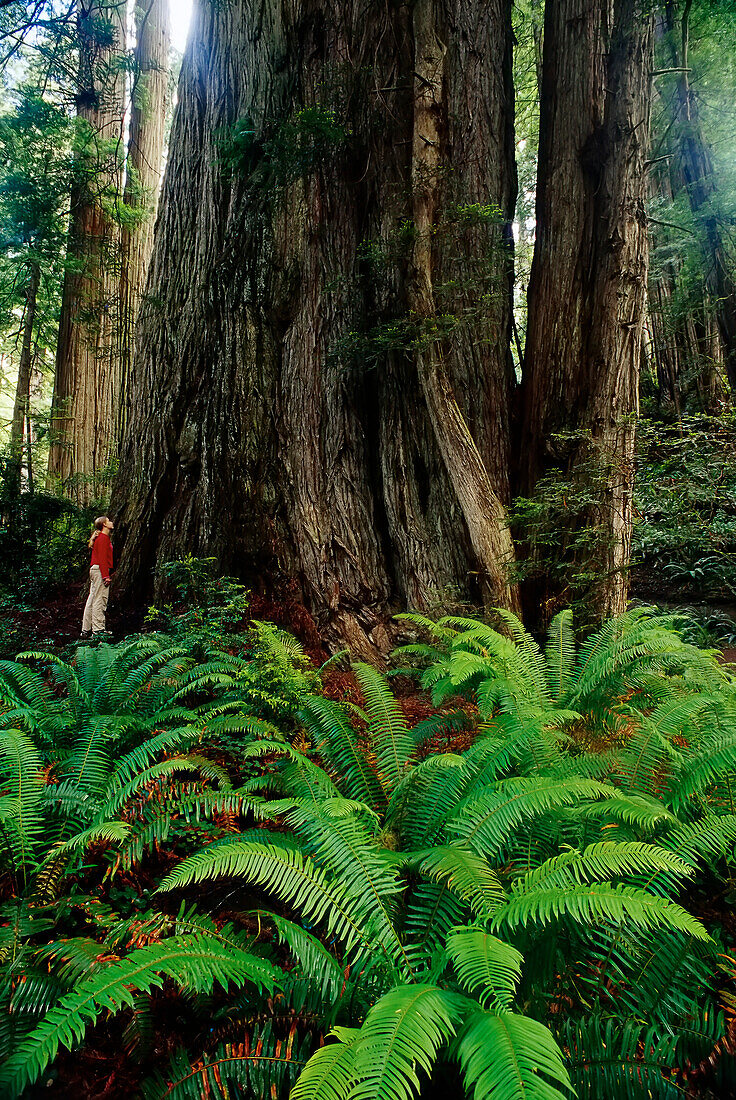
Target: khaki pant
<point x="96" y="605"/>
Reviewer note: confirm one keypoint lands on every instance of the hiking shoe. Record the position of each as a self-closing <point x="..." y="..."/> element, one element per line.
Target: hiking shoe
<point x="85" y="635"/>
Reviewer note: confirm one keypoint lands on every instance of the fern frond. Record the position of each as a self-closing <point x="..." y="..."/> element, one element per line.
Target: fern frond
<point x="329" y="1073"/>
<point x="338" y="746"/>
<point x="281" y="870"/>
<point x="195" y="962"/>
<point x="366" y="874"/>
<point x="525" y="1059"/>
<point x="465" y="873"/>
<point x="391" y="739"/>
<point x="599" y="863"/>
<point x="488" y="822"/>
<point x="402" y="1034"/>
<point x="615" y="1058"/>
<point x="313" y="959"/>
<point x="488" y="968"/>
<point x="586" y="905"/>
<point x="260" y="1068"/>
<point x="559" y="654"/>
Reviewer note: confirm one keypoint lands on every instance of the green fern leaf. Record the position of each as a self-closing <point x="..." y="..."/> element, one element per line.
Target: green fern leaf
<point x="329" y="1073"/>
<point x="506" y="1057"/>
<point x="600" y="901"/>
<point x="391" y="739"/>
<point x="195" y="962"/>
<point x="486" y="966"/>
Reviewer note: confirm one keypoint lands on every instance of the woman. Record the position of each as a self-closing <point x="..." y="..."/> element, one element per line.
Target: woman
<point x="93" y="622"/>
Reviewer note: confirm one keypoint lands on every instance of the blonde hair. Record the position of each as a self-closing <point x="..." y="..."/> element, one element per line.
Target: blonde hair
<point x="98" y="527"/>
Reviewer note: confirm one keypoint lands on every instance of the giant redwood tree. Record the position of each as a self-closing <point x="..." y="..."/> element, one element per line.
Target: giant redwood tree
<point x="322" y="389"/>
<point x="588" y="279"/>
<point x="87" y="379"/>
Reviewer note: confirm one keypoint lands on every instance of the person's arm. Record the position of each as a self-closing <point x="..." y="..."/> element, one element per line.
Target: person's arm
<point x="106" y="559"/>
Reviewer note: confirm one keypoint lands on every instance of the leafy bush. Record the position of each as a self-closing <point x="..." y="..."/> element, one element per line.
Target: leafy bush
<point x="204" y="608"/>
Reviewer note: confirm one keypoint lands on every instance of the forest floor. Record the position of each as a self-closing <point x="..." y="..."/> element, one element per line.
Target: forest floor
<point x="54" y="620"/>
<point x="103" y="1069"/>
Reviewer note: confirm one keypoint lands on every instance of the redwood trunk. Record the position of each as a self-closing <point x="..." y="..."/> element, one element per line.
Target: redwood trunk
<point x="23" y="386"/>
<point x="87" y="380"/>
<point x="588" y="281"/>
<point x="149" y="102"/>
<point x="302" y="405"/>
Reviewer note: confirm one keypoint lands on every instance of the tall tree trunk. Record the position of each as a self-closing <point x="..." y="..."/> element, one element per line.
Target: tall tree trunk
<point x="694" y="163"/>
<point x="23" y="386"/>
<point x="481" y="506"/>
<point x="588" y="280"/>
<point x="145" y="165"/>
<point x="87" y="380"/>
<point x="306" y="405"/>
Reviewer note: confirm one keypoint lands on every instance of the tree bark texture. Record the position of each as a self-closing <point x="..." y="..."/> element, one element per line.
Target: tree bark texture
<point x="324" y="339"/>
<point x="23" y="385"/>
<point x="145" y="163"/>
<point x="589" y="273"/>
<point x="87" y="379"/>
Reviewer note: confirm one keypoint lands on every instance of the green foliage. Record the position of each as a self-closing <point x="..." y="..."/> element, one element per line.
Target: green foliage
<point x="35" y="178"/>
<point x="685" y="530"/>
<point x="624" y="668"/>
<point x="43" y="545"/>
<point x="194" y="962"/>
<point x="451" y="891"/>
<point x="104" y="755"/>
<point x="277" y="155"/>
<point x="514" y="919"/>
<point x="204" y="607"/>
<point x="561" y="545"/>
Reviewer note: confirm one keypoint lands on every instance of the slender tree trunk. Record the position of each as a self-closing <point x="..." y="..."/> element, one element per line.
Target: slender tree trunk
<point x="694" y="163"/>
<point x="588" y="281"/>
<point x="536" y="8"/>
<point x="149" y="103"/>
<point x="23" y="386"/>
<point x="665" y="348"/>
<point x="87" y="381"/>
<point x="323" y="379"/>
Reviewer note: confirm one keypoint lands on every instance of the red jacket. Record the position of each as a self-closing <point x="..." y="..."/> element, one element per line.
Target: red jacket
<point x="102" y="554"/>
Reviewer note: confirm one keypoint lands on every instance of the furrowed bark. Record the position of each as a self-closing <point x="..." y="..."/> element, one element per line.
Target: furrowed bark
<point x="280" y="422"/>
<point x="145" y="163"/>
<point x="482" y="509"/>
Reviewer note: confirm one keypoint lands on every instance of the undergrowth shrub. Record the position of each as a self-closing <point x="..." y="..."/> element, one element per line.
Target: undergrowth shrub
<point x="200" y="608"/>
